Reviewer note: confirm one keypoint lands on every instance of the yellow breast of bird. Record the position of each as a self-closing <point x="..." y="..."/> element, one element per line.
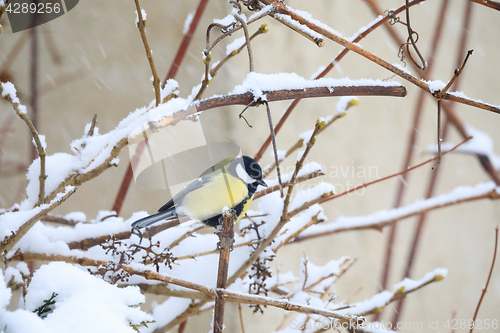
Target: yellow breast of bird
<point x="224" y="190"/>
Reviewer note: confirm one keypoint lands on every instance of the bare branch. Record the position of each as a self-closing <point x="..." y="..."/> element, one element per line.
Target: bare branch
<point x="488" y="3"/>
<point x="283" y="9"/>
<point x="141" y="25"/>
<point x="213" y="72"/>
<point x="286" y="184"/>
<point x="284" y="217"/>
<point x="485" y="288"/>
<point x="383" y="19"/>
<point x="21" y="112"/>
<point x="185" y="42"/>
<point x="397" y="174"/>
<point x="247" y="41"/>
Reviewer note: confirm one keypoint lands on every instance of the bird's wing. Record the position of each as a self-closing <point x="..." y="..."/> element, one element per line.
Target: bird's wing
<point x="217" y="166"/>
<point x="198" y="183"/>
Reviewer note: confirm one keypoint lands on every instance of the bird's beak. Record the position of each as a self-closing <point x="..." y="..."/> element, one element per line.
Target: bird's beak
<point x="262" y="183"/>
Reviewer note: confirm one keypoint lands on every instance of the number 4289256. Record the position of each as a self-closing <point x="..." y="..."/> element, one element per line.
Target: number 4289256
<point x="39" y="8"/>
<point x="479" y="324"/>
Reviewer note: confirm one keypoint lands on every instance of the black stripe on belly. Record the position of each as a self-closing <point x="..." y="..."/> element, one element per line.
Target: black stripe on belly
<point x="214" y="221"/>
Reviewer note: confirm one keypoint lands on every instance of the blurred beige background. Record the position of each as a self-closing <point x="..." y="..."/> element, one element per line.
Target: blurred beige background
<point x="99" y="41"/>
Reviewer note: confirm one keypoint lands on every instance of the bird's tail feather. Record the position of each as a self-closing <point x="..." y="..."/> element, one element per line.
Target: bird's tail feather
<point x="148" y="220"/>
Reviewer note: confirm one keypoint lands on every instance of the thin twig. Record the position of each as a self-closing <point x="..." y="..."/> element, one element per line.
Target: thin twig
<point x="284" y="216"/>
<point x="141" y="26"/>
<point x="206" y="253"/>
<point x="396" y="174"/>
<point x="321" y="199"/>
<point x="379" y="225"/>
<point x="438" y="134"/>
<point x="21" y="112"/>
<point x="298" y="166"/>
<point x="241" y="318"/>
<point x="283" y="9"/>
<point x="226" y="31"/>
<point x="413" y="42"/>
<point x="34" y="87"/>
<point x="327" y="69"/>
<point x="296" y="26"/>
<point x="181" y="52"/>
<point x="162" y="289"/>
<point x="192" y="309"/>
<point x="309" y="286"/>
<point x="207" y="55"/>
<point x="213" y="72"/>
<point x="300" y="141"/>
<point x="441" y="93"/>
<point x="275" y="148"/>
<point x="485" y="288"/>
<point x="247" y="41"/>
<point x="300" y="179"/>
<point x="433" y="177"/>
<point x="488" y="3"/>
<point x="241" y="116"/>
<point x="314" y="220"/>
<point x="401" y="294"/>
<point x="92" y="126"/>
<point x="184" y="236"/>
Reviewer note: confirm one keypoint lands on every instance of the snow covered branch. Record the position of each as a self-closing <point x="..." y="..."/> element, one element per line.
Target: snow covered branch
<point x="324" y="70"/>
<point x="400" y="291"/>
<point x="212" y="292"/>
<point x="10" y="221"/>
<point x="382" y="218"/>
<point x="320" y="28"/>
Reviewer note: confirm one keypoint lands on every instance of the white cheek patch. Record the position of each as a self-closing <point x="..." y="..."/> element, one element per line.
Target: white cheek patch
<point x="243" y="175"/>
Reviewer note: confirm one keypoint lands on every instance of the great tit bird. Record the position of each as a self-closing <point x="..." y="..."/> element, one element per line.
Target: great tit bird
<point x="230" y="183"/>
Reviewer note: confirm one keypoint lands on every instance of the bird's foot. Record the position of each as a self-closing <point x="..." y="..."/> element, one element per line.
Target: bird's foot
<point x="226" y="240"/>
